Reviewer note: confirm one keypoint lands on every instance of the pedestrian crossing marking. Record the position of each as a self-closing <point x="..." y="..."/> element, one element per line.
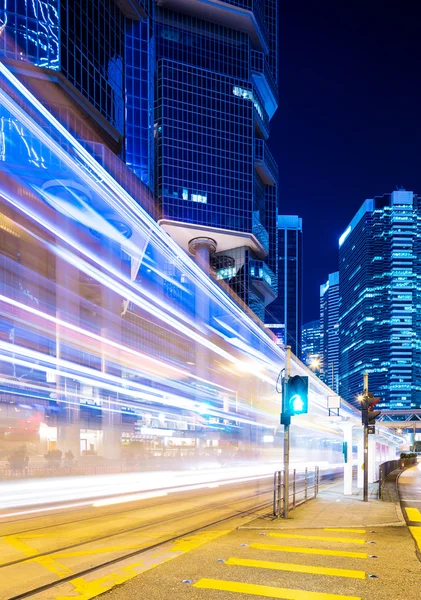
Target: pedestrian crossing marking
<point x="346" y="530"/>
<point x="277" y="566"/>
<point x="414" y="515"/>
<point x="299" y="550"/>
<point x="267" y="591"/>
<point x="319" y="538"/>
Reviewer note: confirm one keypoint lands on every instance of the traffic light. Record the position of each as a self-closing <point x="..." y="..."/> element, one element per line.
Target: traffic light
<point x="296" y="395"/>
<point x="369" y="415"/>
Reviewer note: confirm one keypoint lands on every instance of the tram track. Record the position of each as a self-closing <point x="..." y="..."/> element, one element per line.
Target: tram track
<point x="137" y="552"/>
<point x="130" y="530"/>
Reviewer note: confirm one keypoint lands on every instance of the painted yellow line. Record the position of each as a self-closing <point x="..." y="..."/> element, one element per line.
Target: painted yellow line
<point x="300" y="550"/>
<point x="267" y="591"/>
<point x="319" y="538"/>
<point x="52" y="565"/>
<point x="416" y="532"/>
<point x="276" y="566"/>
<point x="349" y="530"/>
<point x="414" y="515"/>
<point x="17" y="544"/>
<point x="86" y="589"/>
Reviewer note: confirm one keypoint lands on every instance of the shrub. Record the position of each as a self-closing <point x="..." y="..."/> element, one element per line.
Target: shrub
<point x="19" y="459"/>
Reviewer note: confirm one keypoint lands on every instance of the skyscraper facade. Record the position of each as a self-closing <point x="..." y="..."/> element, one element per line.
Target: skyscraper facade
<point x="329" y="326"/>
<point x="311" y="344"/>
<point x="380" y="325"/>
<point x="287" y="308"/>
<point x="100" y="55"/>
<point x="183" y="93"/>
<point x="216" y="180"/>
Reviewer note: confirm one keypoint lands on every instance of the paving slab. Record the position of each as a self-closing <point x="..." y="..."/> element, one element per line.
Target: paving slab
<point x="332" y="509"/>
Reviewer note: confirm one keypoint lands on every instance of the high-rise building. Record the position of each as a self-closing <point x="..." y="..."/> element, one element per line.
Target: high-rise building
<point x="311" y="344"/>
<point x="183" y="92"/>
<point x="287" y="308"/>
<point x="97" y="57"/>
<point x="380" y="325"/>
<point x="329" y="326"/>
<point x="216" y="180"/>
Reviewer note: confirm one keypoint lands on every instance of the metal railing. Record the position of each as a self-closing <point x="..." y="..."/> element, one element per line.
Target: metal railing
<point x="392" y="465"/>
<point x="303" y="486"/>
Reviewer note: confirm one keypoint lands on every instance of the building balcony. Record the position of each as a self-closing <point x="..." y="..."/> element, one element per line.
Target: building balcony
<point x="264" y="81"/>
<point x="261" y="123"/>
<point x="263" y="279"/>
<point x="259" y="231"/>
<point x="241" y="15"/>
<point x="264" y="163"/>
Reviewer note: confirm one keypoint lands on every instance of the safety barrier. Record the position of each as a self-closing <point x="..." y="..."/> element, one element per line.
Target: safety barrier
<point x="392" y="465"/>
<point x="303" y="486"/>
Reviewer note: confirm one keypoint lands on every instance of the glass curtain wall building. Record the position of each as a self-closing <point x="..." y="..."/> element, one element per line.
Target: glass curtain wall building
<point x="329" y="326"/>
<point x="183" y="93"/>
<point x="216" y="180"/>
<point x="103" y="319"/>
<point x="99" y="54"/>
<point x="287" y="308"/>
<point x="311" y="344"/>
<point x="380" y="327"/>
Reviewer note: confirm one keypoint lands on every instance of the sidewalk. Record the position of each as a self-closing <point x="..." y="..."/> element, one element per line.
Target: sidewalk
<point x="332" y="509"/>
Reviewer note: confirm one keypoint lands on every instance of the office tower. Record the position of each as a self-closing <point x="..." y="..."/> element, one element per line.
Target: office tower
<point x="380" y="327"/>
<point x="329" y="325"/>
<point x="216" y="180"/>
<point x="76" y="58"/>
<point x="287" y="308"/>
<point x="97" y="54"/>
<point x="311" y="345"/>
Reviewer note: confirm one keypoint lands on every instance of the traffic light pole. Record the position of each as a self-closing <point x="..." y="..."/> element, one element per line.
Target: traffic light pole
<point x="365" y="407"/>
<point x="286" y="433"/>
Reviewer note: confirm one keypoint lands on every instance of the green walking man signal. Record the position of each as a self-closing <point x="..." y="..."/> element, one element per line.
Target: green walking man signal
<point x="295" y="398"/>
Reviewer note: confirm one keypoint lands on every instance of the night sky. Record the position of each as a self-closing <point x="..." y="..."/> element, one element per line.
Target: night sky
<point x="348" y="126"/>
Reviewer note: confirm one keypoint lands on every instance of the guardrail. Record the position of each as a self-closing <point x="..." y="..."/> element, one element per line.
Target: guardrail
<point x="303" y="486"/>
<point x="392" y="465"/>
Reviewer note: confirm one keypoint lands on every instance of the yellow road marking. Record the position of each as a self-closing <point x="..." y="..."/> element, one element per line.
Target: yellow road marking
<point x="265" y="564"/>
<point x="17" y="544"/>
<point x="416" y="532"/>
<point x="52" y="565"/>
<point x="414" y="515"/>
<point x="350" y="530"/>
<point x="267" y="591"/>
<point x="299" y="550"/>
<point x="319" y="538"/>
<point x="90" y="589"/>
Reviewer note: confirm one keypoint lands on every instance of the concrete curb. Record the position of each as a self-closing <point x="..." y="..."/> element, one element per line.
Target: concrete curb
<point x="291" y="526"/>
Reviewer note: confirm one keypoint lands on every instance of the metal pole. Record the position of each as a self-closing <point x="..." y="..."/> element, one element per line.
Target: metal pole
<point x="306" y="484"/>
<point x="333" y="376"/>
<point x="415" y="429"/>
<point x="365" y="406"/>
<point x="286" y="434"/>
<point x="294" y="488"/>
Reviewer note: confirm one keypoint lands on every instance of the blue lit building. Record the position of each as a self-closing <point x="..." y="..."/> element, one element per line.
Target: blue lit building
<point x="183" y="93"/>
<point x="99" y="55"/>
<point x="173" y="100"/>
<point x="329" y="329"/>
<point x="311" y="343"/>
<point x="287" y="309"/>
<point x="380" y="327"/>
<point x="216" y="180"/>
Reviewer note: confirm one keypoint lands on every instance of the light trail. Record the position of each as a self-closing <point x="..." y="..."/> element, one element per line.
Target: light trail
<point x="104" y="490"/>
